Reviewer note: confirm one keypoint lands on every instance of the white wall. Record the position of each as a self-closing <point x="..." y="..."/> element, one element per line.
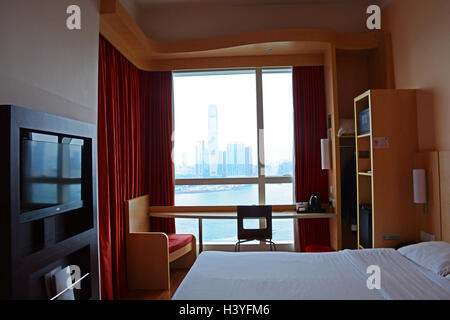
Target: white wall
<point x="43" y="65"/>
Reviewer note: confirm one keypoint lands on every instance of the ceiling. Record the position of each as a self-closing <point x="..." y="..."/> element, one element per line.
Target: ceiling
<point x="236" y="2"/>
<point x="178" y="20"/>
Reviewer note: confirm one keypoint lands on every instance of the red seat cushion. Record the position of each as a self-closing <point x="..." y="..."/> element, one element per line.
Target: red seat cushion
<point x="178" y="241"/>
<point x="317" y="248"/>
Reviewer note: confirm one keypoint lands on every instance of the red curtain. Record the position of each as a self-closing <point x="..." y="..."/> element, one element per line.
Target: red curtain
<point x="126" y="156"/>
<point x="310" y="126"/>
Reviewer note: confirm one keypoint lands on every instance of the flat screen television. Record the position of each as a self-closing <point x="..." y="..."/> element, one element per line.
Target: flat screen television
<point x="51" y="174"/>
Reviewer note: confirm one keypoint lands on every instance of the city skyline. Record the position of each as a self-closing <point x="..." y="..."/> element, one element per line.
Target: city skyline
<point x="235" y="161"/>
<point x="211" y="161"/>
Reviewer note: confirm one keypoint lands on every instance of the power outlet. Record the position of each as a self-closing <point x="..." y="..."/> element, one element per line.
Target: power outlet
<point x="332" y="203"/>
<point x="426" y="236"/>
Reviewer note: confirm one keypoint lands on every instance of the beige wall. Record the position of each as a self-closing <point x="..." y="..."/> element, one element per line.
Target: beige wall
<point x="43" y="65"/>
<point x="421" y="47"/>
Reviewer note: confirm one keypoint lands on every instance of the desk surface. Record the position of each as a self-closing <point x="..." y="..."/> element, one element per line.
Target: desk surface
<point x="233" y="215"/>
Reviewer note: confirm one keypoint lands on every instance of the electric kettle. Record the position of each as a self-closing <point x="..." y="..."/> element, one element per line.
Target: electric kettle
<point x="314" y="204"/>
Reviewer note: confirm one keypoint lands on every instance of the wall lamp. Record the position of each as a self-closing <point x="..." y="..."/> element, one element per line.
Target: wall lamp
<point x="420" y="188"/>
<point x="325" y="148"/>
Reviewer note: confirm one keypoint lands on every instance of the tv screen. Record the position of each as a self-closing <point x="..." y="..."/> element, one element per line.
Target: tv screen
<point x="51" y="170"/>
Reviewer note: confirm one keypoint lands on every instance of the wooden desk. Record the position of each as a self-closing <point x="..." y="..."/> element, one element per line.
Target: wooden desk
<point x="200" y="215"/>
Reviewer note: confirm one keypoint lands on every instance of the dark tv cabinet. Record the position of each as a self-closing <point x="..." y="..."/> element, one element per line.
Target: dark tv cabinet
<point x="33" y="245"/>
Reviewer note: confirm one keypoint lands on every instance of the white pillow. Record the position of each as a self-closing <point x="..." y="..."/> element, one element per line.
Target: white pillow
<point x="432" y="255"/>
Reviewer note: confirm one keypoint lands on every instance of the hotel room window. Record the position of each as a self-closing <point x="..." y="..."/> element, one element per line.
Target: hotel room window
<point x="233" y="134"/>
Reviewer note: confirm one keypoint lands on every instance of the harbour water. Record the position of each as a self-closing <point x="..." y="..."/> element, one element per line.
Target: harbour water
<point x="224" y="230"/>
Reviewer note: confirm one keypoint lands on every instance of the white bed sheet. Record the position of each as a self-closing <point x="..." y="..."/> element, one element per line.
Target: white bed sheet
<point x="294" y="276"/>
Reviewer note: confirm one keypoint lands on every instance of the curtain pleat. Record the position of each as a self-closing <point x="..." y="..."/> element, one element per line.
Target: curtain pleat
<point x="310" y="126"/>
<point x="157" y="94"/>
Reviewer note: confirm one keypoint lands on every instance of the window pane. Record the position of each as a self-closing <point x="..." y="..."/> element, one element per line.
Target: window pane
<point x="219" y="231"/>
<point x="279" y="193"/>
<point x="282" y="230"/>
<point x="215" y="124"/>
<point x="187" y="226"/>
<point x="278" y="122"/>
<point x="252" y="223"/>
<point x="216" y="195"/>
<point x="214" y="230"/>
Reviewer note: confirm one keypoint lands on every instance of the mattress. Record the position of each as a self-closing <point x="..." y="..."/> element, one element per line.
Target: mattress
<point x="317" y="276"/>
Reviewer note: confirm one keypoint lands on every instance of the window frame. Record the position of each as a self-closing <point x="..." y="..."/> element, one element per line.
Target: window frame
<point x="261" y="179"/>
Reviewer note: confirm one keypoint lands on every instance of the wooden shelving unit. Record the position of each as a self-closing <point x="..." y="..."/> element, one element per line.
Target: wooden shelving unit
<point x="34" y="243"/>
<point x="384" y="163"/>
<point x="353" y="71"/>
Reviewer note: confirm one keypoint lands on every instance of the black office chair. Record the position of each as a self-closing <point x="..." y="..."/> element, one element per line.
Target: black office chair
<point x="245" y="235"/>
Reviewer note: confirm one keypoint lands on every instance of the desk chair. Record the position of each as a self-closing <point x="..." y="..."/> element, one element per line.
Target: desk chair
<point x="245" y="235"/>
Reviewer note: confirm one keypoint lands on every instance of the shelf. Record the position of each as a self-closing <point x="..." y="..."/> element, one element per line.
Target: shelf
<point x="347" y="137"/>
<point x="366" y="135"/>
<point x="367" y="174"/>
<point x="362" y="96"/>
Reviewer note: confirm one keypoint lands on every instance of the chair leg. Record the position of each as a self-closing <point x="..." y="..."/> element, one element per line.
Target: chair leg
<point x="273" y="247"/>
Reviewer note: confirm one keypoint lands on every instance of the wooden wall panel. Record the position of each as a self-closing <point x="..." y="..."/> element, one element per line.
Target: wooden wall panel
<point x="394" y="117"/>
<point x="334" y="172"/>
<point x="352" y="79"/>
<point x="444" y="179"/>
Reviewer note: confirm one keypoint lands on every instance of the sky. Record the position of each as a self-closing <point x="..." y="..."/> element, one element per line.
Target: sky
<point x="235" y="97"/>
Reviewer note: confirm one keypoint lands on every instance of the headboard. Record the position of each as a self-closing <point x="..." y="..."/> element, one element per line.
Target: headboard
<point x="437" y="220"/>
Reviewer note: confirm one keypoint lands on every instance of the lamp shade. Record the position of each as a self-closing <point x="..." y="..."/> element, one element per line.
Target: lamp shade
<point x="420" y="186"/>
<point x="325" y="149"/>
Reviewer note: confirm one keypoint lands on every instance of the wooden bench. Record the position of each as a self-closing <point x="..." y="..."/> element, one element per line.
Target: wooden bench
<point x="151" y="254"/>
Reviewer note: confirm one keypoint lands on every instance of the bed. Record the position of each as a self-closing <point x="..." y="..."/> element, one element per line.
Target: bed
<point x="318" y="276"/>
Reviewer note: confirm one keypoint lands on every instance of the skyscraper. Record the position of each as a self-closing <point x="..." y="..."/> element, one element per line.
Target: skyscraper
<point x="231" y="160"/>
<point x="248" y="161"/>
<point x="240" y="159"/>
<point x="201" y="160"/>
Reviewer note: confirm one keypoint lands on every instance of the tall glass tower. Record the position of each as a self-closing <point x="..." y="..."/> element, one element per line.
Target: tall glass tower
<point x="213" y="142"/>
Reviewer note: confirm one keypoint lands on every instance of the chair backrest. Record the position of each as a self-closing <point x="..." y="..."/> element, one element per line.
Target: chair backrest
<point x="254" y="212"/>
<point x="137" y="214"/>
